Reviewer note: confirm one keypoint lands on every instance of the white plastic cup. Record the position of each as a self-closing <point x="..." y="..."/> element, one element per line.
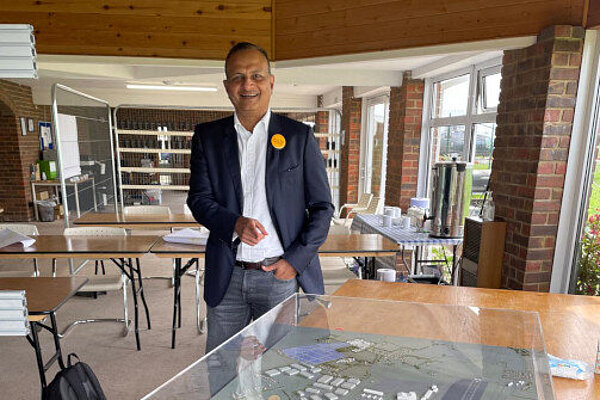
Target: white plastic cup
<point x="386" y="275"/>
<point x="387" y="221"/>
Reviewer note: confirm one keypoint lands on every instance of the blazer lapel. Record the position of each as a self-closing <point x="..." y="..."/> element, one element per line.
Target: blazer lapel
<point x="272" y="165"/>
<point x="232" y="161"/>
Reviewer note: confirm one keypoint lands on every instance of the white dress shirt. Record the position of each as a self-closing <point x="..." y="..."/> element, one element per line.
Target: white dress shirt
<point x="252" y="152"/>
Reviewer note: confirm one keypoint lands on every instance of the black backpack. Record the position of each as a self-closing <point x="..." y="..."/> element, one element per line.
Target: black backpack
<point x="75" y="382"/>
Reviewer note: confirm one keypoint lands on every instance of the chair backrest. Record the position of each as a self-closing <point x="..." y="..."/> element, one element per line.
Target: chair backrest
<point x="95" y="231"/>
<point x="364" y="200"/>
<point x="373" y="206"/>
<point x="147" y="210"/>
<point x="23" y="229"/>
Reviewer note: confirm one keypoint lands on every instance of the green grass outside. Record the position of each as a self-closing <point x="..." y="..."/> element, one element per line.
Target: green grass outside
<point x="481" y="166"/>
<point x="595" y="195"/>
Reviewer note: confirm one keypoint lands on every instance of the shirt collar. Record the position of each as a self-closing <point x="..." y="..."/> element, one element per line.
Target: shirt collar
<point x="264" y="120"/>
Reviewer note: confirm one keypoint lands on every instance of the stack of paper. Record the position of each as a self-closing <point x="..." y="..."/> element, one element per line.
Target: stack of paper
<point x="187" y="236"/>
<point x="8" y="237"/>
<point x="13" y="313"/>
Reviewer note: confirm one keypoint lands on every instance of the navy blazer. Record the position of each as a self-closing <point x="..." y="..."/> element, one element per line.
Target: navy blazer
<point x="298" y="196"/>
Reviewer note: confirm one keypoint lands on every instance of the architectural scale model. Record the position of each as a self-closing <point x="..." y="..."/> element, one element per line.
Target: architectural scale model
<point x="317" y="364"/>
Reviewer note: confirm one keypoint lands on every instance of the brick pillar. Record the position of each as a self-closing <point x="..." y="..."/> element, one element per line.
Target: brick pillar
<point x="350" y="155"/>
<point x="404" y="141"/>
<point x="18" y="152"/>
<point x="322" y="126"/>
<point x="535" y="116"/>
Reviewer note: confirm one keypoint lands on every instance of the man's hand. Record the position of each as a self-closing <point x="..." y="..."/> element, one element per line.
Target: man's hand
<point x="251" y="348"/>
<point x="249" y="230"/>
<point x="282" y="270"/>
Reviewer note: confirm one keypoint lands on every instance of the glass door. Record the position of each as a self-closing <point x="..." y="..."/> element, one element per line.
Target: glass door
<point x="374" y="159"/>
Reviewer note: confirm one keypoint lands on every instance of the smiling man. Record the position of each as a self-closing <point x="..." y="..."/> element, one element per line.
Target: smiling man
<point x="258" y="183"/>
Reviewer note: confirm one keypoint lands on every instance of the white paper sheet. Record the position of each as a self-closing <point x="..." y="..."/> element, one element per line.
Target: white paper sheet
<point x="8" y="237"/>
<point x="187" y="236"/>
<point x="69" y="146"/>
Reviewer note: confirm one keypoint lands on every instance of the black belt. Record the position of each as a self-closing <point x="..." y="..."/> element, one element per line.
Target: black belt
<point x="258" y="264"/>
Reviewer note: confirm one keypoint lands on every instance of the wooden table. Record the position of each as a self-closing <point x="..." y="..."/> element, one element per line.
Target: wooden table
<point x="138" y="221"/>
<point x="368" y="246"/>
<point x="570" y="324"/>
<point x="120" y="249"/>
<point x="44" y="297"/>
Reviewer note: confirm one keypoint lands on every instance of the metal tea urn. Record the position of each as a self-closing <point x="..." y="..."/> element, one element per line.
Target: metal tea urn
<point x="448" y="199"/>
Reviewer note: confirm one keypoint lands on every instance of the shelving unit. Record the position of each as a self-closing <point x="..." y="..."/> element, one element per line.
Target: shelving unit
<point x="172" y="151"/>
<point x="152" y="160"/>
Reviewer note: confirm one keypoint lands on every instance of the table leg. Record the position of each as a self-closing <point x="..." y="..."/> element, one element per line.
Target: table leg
<point x="135" y="302"/>
<point x="139" y="273"/>
<point x="94" y="195"/>
<point x="56" y="340"/>
<point x="76" y="190"/>
<point x="361" y="273"/>
<point x="35" y="342"/>
<point x="179" y="302"/>
<point x="408" y="268"/>
<point x="34" y="198"/>
<point x="176" y="305"/>
<point x="454" y="277"/>
<point x="200" y="321"/>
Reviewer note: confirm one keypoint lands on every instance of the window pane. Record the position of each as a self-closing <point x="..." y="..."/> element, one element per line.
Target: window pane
<point x="448" y="142"/>
<point x="450" y="97"/>
<point x="588" y="246"/>
<point x="374" y="159"/>
<point x="491" y="91"/>
<point x="483" y="135"/>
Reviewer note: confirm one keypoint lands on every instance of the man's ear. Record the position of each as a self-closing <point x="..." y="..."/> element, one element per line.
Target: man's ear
<point x="272" y="79"/>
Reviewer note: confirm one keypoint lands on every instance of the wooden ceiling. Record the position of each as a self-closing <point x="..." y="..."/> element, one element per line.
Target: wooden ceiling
<point x="287" y="29"/>
<point x="152" y="28"/>
<point x="313" y="28"/>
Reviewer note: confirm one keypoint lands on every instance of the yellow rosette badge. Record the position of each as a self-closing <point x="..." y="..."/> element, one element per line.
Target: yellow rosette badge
<point x="278" y="141"/>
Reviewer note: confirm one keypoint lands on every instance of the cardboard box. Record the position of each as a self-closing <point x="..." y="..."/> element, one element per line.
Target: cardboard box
<point x="48" y="168"/>
<point x="58" y="211"/>
<point x="43" y="195"/>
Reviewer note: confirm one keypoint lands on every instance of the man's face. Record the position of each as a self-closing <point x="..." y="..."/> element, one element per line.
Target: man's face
<point x="249" y="84"/>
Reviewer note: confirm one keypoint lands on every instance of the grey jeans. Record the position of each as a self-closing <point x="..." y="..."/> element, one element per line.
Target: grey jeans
<point x="250" y="294"/>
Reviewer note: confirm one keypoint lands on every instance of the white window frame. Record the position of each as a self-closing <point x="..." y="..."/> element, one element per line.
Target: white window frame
<point x="365" y="175"/>
<point x="468" y="120"/>
<point x="481" y="96"/>
<point x="582" y="148"/>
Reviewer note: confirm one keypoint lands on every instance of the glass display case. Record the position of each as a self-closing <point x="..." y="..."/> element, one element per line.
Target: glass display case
<point x="338" y="348"/>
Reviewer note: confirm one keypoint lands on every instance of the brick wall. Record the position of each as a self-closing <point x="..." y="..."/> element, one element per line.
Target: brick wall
<point x="18" y="152"/>
<point x="350" y="155"/>
<point x="404" y="141"/>
<point x="535" y="116"/>
<point x="322" y="126"/>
